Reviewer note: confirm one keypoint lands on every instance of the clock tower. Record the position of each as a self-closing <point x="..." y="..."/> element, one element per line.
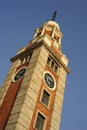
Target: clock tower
<point x="31" y="96"/>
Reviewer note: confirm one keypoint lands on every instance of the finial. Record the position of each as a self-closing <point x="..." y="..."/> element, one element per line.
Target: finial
<point x="54" y="16"/>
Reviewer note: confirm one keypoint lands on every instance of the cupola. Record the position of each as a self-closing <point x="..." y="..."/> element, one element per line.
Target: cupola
<point x="50" y="30"/>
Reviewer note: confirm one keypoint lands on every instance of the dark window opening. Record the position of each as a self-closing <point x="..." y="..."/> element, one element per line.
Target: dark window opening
<point x="53" y="64"/>
<point x="48" y="61"/>
<point x="40" y="122"/>
<point x="45" y="97"/>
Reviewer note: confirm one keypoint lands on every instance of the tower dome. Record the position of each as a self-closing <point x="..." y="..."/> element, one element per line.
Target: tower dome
<point x="52" y="23"/>
<point x="50" y="30"/>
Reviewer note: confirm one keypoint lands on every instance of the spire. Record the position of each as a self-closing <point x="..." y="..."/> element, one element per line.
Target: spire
<point x="54" y="16"/>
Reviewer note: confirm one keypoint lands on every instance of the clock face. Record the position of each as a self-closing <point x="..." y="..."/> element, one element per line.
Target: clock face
<point x="49" y="80"/>
<point x="19" y="74"/>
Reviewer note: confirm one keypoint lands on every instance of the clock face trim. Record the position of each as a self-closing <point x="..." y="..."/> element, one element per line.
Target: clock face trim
<point x="19" y="74"/>
<point x="49" y="80"/>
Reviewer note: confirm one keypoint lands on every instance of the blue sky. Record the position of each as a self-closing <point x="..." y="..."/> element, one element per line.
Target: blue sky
<point x="18" y="20"/>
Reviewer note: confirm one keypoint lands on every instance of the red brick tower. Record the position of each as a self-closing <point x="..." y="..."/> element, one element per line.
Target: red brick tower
<point x="32" y="93"/>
